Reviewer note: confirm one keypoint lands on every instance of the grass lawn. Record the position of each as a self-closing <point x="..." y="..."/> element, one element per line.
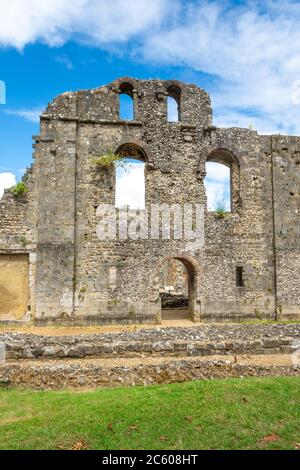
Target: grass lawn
<point x="254" y="413"/>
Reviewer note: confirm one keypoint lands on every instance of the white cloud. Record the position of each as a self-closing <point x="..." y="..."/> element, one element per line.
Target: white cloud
<point x="227" y="117"/>
<point x="65" y="60"/>
<point x="94" y="21"/>
<point x="130" y="186"/>
<point x="4" y="168"/>
<point x="217" y="185"/>
<point x="252" y="50"/>
<point x="7" y="180"/>
<point x="32" y="115"/>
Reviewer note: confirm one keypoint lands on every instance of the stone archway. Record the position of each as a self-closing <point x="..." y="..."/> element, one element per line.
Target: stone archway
<point x="136" y="149"/>
<point x="177" y="303"/>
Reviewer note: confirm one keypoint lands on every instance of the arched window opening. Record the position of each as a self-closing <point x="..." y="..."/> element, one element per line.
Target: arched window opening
<point x="126" y="102"/>
<point x="130" y="184"/>
<point x="130" y="180"/>
<point x="218" y="187"/>
<point x="222" y="182"/>
<point x="172" y="110"/>
<point x="173" y="104"/>
<point x="130" y="177"/>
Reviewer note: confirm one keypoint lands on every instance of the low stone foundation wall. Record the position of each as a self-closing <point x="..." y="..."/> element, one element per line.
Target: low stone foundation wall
<point x="169" y="348"/>
<point x="105" y="319"/>
<point x="76" y="376"/>
<point x="195" y="341"/>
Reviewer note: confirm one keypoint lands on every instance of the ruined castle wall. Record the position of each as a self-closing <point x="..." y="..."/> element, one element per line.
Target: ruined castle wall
<point x="112" y="279"/>
<point x="243" y="238"/>
<point x="56" y="160"/>
<point x="117" y="281"/>
<point x="286" y="174"/>
<point x="17" y="253"/>
<point x="80" y="278"/>
<point x="17" y="216"/>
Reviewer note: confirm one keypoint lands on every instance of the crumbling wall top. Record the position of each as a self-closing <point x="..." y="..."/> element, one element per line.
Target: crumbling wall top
<point x="103" y="103"/>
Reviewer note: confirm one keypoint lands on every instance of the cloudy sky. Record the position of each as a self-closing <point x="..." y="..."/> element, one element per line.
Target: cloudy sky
<point x="246" y="54"/>
<point x="130" y="185"/>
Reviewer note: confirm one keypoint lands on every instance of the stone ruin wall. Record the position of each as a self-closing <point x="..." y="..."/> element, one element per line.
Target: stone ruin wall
<point x="74" y="277"/>
<point x="18" y="253"/>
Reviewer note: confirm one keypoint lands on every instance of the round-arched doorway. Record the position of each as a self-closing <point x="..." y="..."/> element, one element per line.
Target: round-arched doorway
<point x="178" y="289"/>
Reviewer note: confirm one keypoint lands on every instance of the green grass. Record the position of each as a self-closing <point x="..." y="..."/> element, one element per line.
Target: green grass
<point x="216" y="414"/>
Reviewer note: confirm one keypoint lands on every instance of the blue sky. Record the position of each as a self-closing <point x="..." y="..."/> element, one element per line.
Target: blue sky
<point x="245" y="54"/>
<point x="35" y="75"/>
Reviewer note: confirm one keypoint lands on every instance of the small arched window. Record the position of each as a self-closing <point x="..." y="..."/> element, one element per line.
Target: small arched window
<point x="173" y="103"/>
<point x="126" y="102"/>
<point x="222" y="182"/>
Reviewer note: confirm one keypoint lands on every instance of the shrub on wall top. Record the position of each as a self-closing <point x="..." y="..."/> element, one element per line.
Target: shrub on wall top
<point x="19" y="190"/>
<point x="108" y="160"/>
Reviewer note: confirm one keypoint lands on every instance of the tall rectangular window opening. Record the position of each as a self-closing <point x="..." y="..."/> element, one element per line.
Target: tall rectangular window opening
<point x="222" y="182"/>
<point x="126" y="108"/>
<point x="218" y="187"/>
<point x="126" y="98"/>
<point x="239" y="276"/>
<point x="173" y="104"/>
<point x="130" y="184"/>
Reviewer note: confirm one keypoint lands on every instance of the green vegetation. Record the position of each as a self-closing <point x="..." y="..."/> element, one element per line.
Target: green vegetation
<point x="252" y="413"/>
<point x="258" y="314"/>
<point x="220" y="209"/>
<point x="108" y="160"/>
<point x="24" y="241"/>
<point x="19" y="190"/>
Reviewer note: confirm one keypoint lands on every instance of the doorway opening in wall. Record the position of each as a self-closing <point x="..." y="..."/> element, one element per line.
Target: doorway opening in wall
<point x="177" y="287"/>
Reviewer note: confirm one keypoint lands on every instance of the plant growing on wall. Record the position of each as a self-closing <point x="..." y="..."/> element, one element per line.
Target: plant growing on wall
<point x="19" y="190"/>
<point x="108" y="160"/>
<point x="220" y="209"/>
<point x="23" y="241"/>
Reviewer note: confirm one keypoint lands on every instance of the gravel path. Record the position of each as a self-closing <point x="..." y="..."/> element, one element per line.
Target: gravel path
<point x="258" y="359"/>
